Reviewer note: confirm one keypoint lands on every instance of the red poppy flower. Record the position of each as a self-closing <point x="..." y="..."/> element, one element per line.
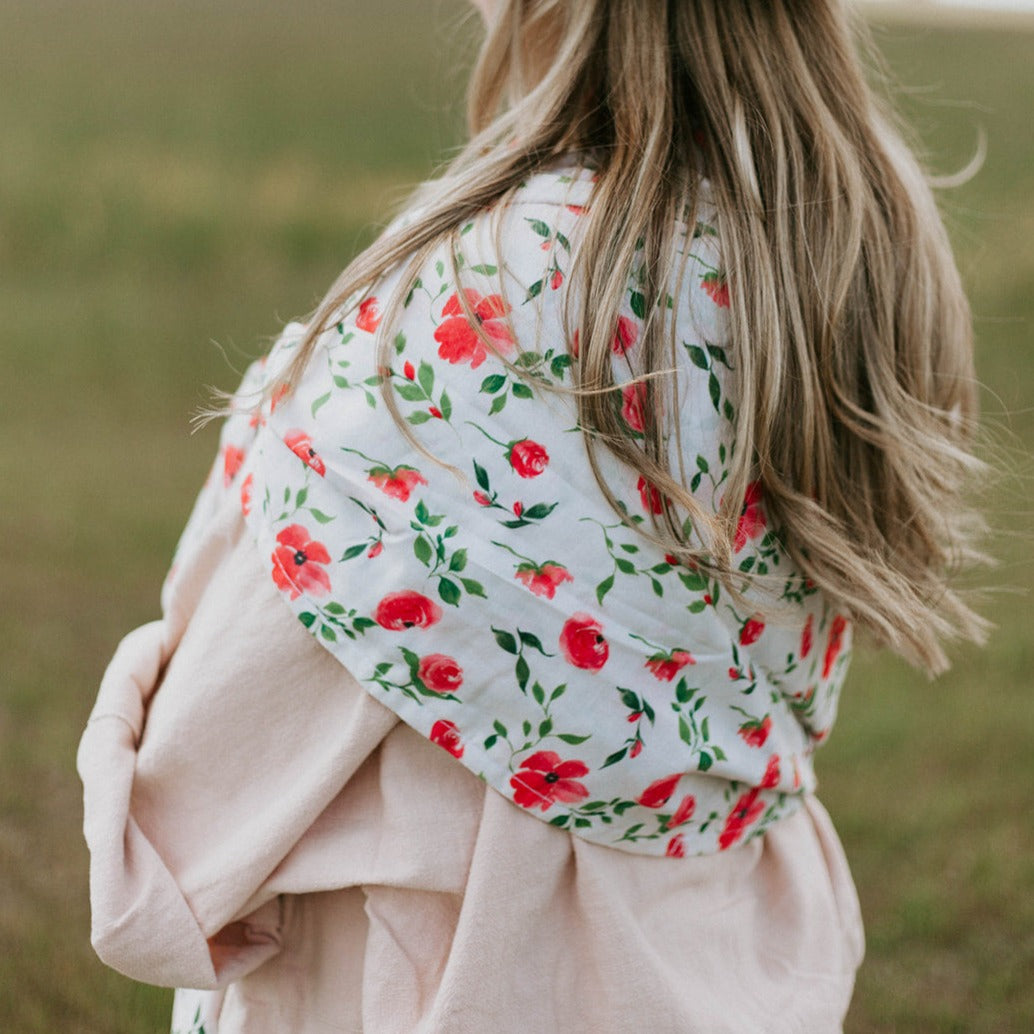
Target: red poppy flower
<point x="717" y="287"/>
<point x="296" y="563"/>
<point x="633" y="398"/>
<point x="751" y="631"/>
<point x="806" y="636"/>
<point x="665" y="666"/>
<point x="233" y="458"/>
<point x="659" y="791"/>
<point x="755" y="733"/>
<point x="406" y="609"/>
<point x="752" y="518"/>
<point x="300" y="444"/>
<point x="369" y="316"/>
<point x="683" y="813"/>
<point x="398" y="481"/>
<point x="745" y="812"/>
<point x="544" y="778"/>
<point x="445" y="734"/>
<point x="543" y="579"/>
<point x="771" y="777"/>
<point x="440" y="673"/>
<point x="676" y="847"/>
<point x="528" y="458"/>
<point x="582" y="642"/>
<point x="625" y="336"/>
<point x="246" y="495"/>
<point x="650" y="495"/>
<point x="835" y="644"/>
<point x="458" y="340"/>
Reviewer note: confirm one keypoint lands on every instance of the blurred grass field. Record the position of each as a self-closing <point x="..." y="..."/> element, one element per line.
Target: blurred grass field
<point x="177" y="179"/>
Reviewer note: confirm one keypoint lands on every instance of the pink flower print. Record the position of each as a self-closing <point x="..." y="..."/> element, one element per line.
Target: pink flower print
<point x="296" y="563"/>
<point x="545" y="778"/>
<point x="399" y="611"/>
<point x="633" y="399"/>
<point x="233" y="458"/>
<point x="752" y="518"/>
<point x="582" y="642"/>
<point x="458" y="340"/>
<point x="369" y="317"/>
<point x="806" y="636"/>
<point x="771" y="777"/>
<point x="717" y="287"/>
<point x="543" y="579"/>
<point x="665" y="666"/>
<point x="440" y="673"/>
<point x="446" y="735"/>
<point x="300" y="444"/>
<point x="246" y="494"/>
<point x="754" y="732"/>
<point x="625" y="336"/>
<point x="528" y="458"/>
<point x="650" y="494"/>
<point x="683" y="813"/>
<point x="659" y="791"/>
<point x="751" y="630"/>
<point x="745" y="812"/>
<point x="676" y="847"/>
<point x="396" y="482"/>
<point x="835" y="644"/>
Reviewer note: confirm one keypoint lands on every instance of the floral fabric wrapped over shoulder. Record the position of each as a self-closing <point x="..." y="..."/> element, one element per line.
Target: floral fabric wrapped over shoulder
<point x="502" y="608"/>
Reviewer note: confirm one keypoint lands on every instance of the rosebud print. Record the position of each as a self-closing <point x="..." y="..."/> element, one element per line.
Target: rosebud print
<point x="397" y="482"/>
<point x="446" y="735"/>
<point x="582" y="642"/>
<point x="369" y="317"/>
<point x="751" y="631"/>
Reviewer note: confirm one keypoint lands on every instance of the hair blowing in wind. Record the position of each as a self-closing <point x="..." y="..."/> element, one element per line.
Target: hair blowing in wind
<point x="851" y="335"/>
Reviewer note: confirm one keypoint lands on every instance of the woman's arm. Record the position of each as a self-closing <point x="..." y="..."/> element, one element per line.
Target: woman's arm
<point x="195" y="791"/>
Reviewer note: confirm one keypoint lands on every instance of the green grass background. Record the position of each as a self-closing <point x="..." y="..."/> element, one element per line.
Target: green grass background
<point x="177" y="179"/>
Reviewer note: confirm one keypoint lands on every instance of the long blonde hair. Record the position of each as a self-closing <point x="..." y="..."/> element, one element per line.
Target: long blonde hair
<point x="855" y="388"/>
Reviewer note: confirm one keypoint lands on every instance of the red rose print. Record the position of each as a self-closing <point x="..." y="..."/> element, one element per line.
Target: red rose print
<point x="752" y="519"/>
<point x="633" y="397"/>
<point x="771" y="777"/>
<point x="246" y="495"/>
<point x="751" y="631"/>
<point x="745" y="812"/>
<point x="755" y="733"/>
<point x="296" y="563"/>
<point x="406" y="609"/>
<point x="659" y="791"/>
<point x="445" y="734"/>
<point x="650" y="495"/>
<point x="625" y="336"/>
<point x="544" y="778"/>
<point x="717" y="287"/>
<point x="806" y="636"/>
<point x="528" y="458"/>
<point x="835" y="644"/>
<point x="440" y="673"/>
<point x="676" y="847"/>
<point x="544" y="578"/>
<point x="582" y="642"/>
<point x="459" y="342"/>
<point x="665" y="666"/>
<point x="300" y="444"/>
<point x="369" y="315"/>
<point x="683" y="813"/>
<point x="232" y="460"/>
<point x="396" y="482"/>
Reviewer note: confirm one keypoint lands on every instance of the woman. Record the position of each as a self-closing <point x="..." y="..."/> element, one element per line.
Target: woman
<point x="583" y="473"/>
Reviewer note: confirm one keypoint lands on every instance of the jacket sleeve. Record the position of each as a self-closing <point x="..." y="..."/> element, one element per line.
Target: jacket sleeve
<point x="219" y="735"/>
